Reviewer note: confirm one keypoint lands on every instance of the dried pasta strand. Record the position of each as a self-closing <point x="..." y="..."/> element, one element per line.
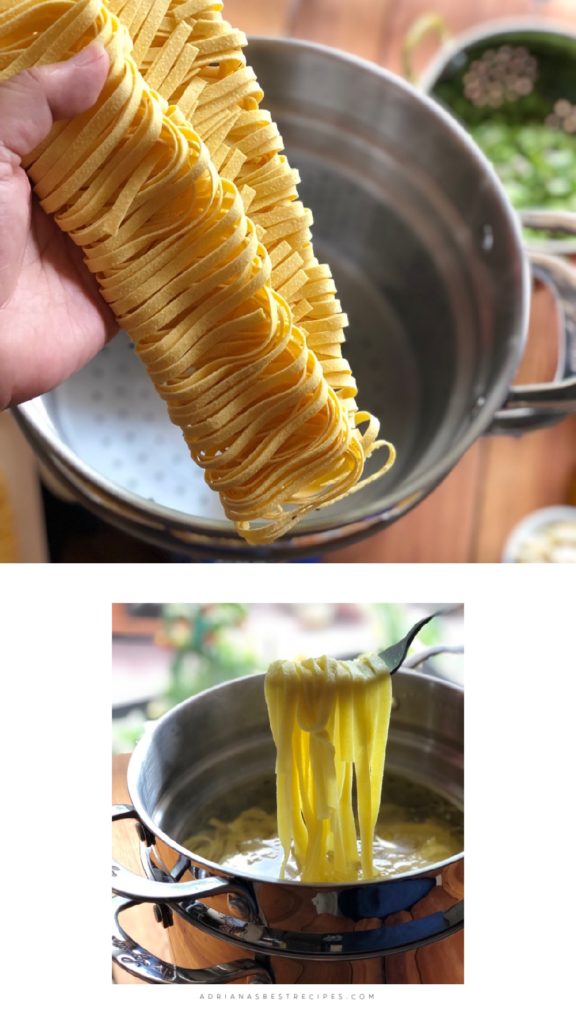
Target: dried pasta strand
<point x="231" y="85"/>
<point x="329" y="720"/>
<point x="185" y="271"/>
<point x="206" y="23"/>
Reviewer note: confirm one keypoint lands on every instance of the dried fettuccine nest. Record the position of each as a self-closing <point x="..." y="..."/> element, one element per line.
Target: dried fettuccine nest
<point x="235" y="320"/>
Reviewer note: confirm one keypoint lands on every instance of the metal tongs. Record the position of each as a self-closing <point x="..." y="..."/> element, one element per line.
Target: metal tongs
<point x="395" y="655"/>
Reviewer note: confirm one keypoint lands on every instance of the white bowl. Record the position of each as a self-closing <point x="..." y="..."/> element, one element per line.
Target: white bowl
<point x="532" y="524"/>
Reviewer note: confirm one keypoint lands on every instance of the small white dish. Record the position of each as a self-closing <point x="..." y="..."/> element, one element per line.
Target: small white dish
<point x="532" y="528"/>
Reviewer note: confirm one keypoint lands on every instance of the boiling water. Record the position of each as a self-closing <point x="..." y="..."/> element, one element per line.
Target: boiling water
<point x="416" y="828"/>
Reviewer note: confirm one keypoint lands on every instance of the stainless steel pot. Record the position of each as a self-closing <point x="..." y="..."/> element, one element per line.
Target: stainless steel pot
<point x="428" y="260"/>
<point x="286" y="931"/>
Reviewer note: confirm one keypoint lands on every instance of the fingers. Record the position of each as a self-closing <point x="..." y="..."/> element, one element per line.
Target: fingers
<point x="29" y="104"/>
<point x="31" y="101"/>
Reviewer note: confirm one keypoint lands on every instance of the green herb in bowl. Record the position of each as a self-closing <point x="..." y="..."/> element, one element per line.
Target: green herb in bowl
<point x="515" y="93"/>
<point x="536" y="164"/>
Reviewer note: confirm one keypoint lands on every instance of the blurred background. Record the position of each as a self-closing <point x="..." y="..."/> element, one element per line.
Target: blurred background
<point x="501" y="479"/>
<point x="162" y="654"/>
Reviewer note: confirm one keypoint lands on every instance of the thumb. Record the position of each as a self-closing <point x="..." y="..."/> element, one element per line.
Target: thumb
<point x="30" y="102"/>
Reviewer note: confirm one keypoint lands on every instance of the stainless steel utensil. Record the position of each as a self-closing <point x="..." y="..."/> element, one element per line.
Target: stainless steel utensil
<point x="427" y="257"/>
<point x="394" y="656"/>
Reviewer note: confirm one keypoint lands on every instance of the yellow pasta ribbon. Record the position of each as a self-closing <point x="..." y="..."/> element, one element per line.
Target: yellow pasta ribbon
<point x="236" y="322"/>
<point x="220" y="839"/>
<point x="330" y="721"/>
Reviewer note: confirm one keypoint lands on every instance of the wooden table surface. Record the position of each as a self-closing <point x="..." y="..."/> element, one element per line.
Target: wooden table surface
<point x="500" y="480"/>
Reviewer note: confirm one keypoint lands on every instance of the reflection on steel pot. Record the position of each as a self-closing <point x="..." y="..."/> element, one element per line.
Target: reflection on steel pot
<point x="267" y="930"/>
<point x="428" y="260"/>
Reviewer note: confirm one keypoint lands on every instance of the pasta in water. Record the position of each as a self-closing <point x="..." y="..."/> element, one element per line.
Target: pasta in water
<point x="330" y="723"/>
<point x="237" y="323"/>
<point x="410" y="835"/>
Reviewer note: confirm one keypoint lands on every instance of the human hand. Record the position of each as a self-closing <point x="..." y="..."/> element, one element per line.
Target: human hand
<point x="52" y="316"/>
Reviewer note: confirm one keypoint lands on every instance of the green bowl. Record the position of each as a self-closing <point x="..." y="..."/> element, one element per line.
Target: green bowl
<point x="510" y="121"/>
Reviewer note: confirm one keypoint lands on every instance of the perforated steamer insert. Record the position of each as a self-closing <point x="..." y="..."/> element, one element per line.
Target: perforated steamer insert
<point x="111" y="417"/>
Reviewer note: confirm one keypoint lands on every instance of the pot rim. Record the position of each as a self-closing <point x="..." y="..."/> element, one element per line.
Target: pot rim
<point x="486" y="30"/>
<point x="144" y="745"/>
<point x="33" y="413"/>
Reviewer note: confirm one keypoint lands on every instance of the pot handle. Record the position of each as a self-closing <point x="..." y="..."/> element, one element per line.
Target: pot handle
<point x="424" y="26"/>
<point x="147" y="890"/>
<point x="562" y="221"/>
<point x="131" y="957"/>
<point x="429" y="652"/>
<point x="529" y="406"/>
